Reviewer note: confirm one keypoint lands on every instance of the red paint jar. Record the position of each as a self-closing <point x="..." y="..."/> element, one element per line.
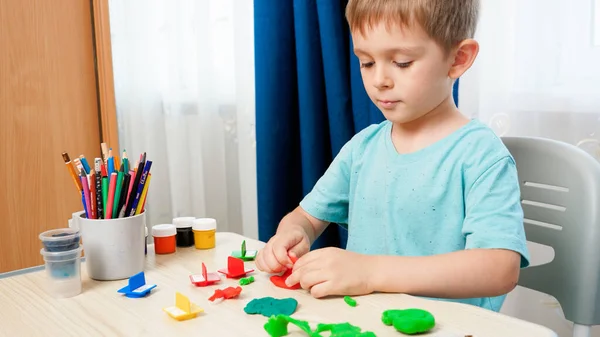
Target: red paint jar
<point x="164" y="238"/>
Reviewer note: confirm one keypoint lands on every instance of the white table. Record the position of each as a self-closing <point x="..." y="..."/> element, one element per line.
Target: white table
<point x="26" y="310"/>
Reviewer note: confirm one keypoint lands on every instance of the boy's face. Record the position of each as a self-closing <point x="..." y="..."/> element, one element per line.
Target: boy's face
<point x="404" y="71"/>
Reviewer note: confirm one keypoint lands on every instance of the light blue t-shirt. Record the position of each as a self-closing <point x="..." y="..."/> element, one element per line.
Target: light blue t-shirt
<point x="461" y="192"/>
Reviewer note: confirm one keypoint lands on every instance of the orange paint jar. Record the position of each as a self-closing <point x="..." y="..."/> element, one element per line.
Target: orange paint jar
<point x="164" y="238"/>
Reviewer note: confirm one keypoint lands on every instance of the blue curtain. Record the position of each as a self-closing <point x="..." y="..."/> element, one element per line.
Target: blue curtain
<point x="310" y="101"/>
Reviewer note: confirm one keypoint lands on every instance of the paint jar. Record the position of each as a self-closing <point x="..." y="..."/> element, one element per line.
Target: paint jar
<point x="60" y="240"/>
<point x="164" y="238"/>
<point x="185" y="235"/>
<point x="204" y="233"/>
<point x="63" y="270"/>
<point x="145" y="240"/>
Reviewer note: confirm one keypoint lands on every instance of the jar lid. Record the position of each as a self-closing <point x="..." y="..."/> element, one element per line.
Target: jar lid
<point x="60" y="234"/>
<point x="184" y="221"/>
<point x="164" y="230"/>
<point x="204" y="224"/>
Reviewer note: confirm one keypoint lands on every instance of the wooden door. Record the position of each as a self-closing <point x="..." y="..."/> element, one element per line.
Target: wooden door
<point x="48" y="104"/>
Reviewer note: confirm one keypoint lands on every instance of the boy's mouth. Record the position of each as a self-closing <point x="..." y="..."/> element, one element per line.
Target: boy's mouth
<point x="388" y="104"/>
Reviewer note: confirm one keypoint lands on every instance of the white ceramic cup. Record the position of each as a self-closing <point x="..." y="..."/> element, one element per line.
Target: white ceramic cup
<point x="114" y="248"/>
<point x="73" y="221"/>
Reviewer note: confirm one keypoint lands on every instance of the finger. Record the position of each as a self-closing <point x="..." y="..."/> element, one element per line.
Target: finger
<point x="306" y="277"/>
<point x="298" y="250"/>
<point x="322" y="289"/>
<point x="258" y="261"/>
<point x="271" y="261"/>
<point x="306" y="259"/>
<point x="294" y="278"/>
<point x="281" y="255"/>
<point x="293" y="256"/>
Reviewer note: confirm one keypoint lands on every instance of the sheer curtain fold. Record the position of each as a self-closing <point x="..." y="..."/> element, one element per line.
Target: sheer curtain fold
<point x="538" y="74"/>
<point x="185" y="95"/>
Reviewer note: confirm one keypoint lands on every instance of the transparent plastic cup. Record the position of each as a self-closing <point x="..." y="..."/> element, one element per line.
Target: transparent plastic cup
<point x="63" y="271"/>
<point x="60" y="240"/>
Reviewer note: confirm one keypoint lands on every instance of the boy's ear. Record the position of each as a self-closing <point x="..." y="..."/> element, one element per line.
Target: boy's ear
<point x="464" y="56"/>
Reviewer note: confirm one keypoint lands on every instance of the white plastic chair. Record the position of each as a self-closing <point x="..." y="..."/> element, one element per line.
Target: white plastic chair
<point x="560" y="195"/>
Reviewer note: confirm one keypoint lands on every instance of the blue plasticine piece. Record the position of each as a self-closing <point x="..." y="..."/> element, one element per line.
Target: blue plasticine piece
<point x="137" y="287"/>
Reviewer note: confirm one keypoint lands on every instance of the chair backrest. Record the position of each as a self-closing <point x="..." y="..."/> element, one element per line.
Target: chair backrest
<point x="560" y="195"/>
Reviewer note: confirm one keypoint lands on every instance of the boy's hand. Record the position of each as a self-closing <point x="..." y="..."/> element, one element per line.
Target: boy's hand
<point x="332" y="271"/>
<point x="273" y="258"/>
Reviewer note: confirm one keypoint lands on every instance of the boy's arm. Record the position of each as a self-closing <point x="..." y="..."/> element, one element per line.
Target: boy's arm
<point x="462" y="274"/>
<point x="328" y="200"/>
<point x="312" y="226"/>
<point x="495" y="246"/>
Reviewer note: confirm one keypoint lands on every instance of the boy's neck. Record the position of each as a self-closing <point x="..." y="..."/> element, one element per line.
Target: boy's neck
<point x="429" y="128"/>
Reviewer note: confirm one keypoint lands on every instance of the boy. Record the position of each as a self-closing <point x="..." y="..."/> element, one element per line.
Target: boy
<point x="431" y="198"/>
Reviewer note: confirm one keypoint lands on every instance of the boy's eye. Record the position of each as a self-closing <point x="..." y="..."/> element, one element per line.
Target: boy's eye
<point x="403" y="64"/>
<point x="366" y="64"/>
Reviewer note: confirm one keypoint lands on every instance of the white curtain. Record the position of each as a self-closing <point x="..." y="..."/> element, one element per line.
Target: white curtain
<point x="184" y="82"/>
<point x="538" y="74"/>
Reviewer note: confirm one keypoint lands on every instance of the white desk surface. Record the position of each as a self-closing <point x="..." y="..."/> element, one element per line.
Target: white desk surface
<point x="99" y="310"/>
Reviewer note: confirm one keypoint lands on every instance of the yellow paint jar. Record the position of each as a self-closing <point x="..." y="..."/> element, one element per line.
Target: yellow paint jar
<point x="204" y="233"/>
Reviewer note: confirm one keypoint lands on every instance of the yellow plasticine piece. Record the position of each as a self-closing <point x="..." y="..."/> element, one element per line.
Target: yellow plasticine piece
<point x="183" y="309"/>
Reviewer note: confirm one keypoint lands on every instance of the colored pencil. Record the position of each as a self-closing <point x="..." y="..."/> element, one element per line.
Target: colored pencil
<point x="124" y="189"/>
<point x="117" y="196"/>
<point x="86" y="194"/>
<point x="83" y="202"/>
<point x="98" y="183"/>
<point x="78" y="165"/>
<point x="133" y="193"/>
<point x="105" y="196"/>
<point x="103" y="170"/>
<point x="117" y="162"/>
<point x="71" y="170"/>
<point x="140" y="187"/>
<point x="111" y="195"/>
<point x="104" y="148"/>
<point x="125" y="162"/>
<point x="142" y="203"/>
<point x="84" y="163"/>
<point x="92" y="178"/>
<point x="111" y="166"/>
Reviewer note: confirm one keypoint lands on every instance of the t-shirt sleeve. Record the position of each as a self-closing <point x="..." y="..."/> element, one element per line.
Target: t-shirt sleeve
<point x="494" y="216"/>
<point x="328" y="200"/>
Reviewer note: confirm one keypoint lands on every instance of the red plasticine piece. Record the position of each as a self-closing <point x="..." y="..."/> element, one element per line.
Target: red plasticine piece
<point x="235" y="268"/>
<point x="205" y="279"/>
<point x="227" y="293"/>
<point x="279" y="280"/>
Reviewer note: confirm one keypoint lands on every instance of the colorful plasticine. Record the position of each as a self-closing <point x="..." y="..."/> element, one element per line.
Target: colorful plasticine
<point x="409" y="321"/>
<point x="269" y="306"/>
<point x="350" y="301"/>
<point x="277" y="326"/>
<point x="227" y="293"/>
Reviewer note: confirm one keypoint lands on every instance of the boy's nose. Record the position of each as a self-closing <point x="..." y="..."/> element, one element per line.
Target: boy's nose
<point x="381" y="80"/>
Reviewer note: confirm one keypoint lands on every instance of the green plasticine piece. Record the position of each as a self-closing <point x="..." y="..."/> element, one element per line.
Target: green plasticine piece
<point x="409" y="321"/>
<point x="277" y="326"/>
<point x="245" y="255"/>
<point x="343" y="330"/>
<point x="246" y="280"/>
<point x="350" y="301"/>
<point x="269" y="306"/>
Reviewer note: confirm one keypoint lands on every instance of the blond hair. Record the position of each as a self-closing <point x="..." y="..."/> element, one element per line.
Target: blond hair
<point x="446" y="21"/>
